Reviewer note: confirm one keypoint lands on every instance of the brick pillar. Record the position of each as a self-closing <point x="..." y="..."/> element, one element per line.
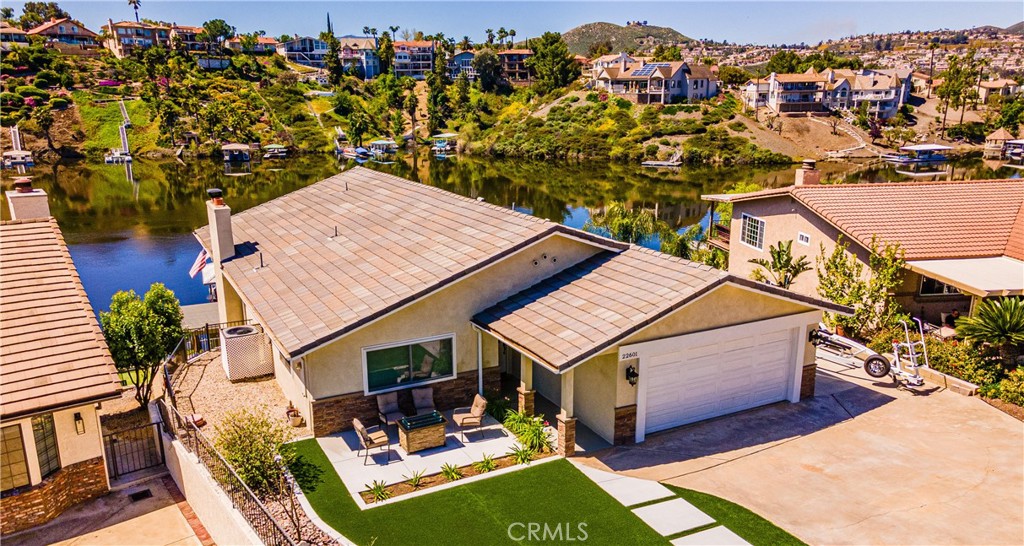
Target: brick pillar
<point x="807" y="380"/>
<point x="625" y="425"/>
<point x="566" y="436"/>
<point x="526" y="400"/>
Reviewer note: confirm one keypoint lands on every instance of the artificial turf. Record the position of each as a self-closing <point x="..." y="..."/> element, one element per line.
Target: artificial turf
<point x="553" y="493"/>
<point x="748" y="525"/>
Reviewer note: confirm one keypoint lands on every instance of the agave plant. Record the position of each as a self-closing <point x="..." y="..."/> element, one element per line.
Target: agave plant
<point x="451" y="472"/>
<point x="485" y="465"/>
<point x="415" y="480"/>
<point x="997" y="322"/>
<point x="379" y="490"/>
<point x="782" y="267"/>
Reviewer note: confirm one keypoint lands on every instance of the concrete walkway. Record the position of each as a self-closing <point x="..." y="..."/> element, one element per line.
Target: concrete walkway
<point x="661" y="509"/>
<point x="162" y="519"/>
<point x="861" y="463"/>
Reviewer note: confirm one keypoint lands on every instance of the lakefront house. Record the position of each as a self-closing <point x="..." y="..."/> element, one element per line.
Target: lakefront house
<point x="365" y="283"/>
<point x="127" y="36"/>
<point x="55" y="370"/>
<point x="644" y="82"/>
<point x="414" y="58"/>
<point x="65" y="30"/>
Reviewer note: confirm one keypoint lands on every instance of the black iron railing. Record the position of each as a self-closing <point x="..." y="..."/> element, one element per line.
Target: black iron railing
<point x="242" y="498"/>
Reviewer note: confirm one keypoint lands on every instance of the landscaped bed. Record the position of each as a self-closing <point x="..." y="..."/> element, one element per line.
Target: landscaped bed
<point x="553" y="493"/>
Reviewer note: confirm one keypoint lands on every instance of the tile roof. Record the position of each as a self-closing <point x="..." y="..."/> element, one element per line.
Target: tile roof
<point x="52" y="352"/>
<point x="52" y="23"/>
<point x="400" y="240"/>
<point x="930" y="220"/>
<point x="9" y="28"/>
<point x="589" y="307"/>
<point x="516" y="52"/>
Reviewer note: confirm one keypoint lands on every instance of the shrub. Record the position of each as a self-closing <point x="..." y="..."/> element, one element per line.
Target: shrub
<point x="1011" y="389"/>
<point x="972" y="362"/>
<point x="522" y="454"/>
<point x="498" y="406"/>
<point x="29" y="91"/>
<point x="415" y="480"/>
<point x="664" y="142"/>
<point x="379" y="490"/>
<point x="571" y="99"/>
<point x="251" y="442"/>
<point x="623" y="103"/>
<point x="591" y="97"/>
<point x="651" y="150"/>
<point x="451" y="472"/>
<point x="738" y="126"/>
<point x="46" y="78"/>
<point x="58" y="103"/>
<point x="529" y="430"/>
<point x="485" y="465"/>
<point x="11" y="100"/>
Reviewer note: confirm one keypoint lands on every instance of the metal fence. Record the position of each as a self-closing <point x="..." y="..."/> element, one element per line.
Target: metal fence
<point x="201" y="340"/>
<point x="133" y="449"/>
<point x="242" y="498"/>
<point x="195" y="343"/>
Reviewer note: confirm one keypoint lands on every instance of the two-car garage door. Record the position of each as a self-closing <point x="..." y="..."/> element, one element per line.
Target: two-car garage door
<point x="699" y="376"/>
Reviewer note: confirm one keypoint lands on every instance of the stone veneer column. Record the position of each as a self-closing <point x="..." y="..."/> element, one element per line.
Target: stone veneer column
<point x="526" y="401"/>
<point x="807" y="380"/>
<point x="625" y="425"/>
<point x="566" y="435"/>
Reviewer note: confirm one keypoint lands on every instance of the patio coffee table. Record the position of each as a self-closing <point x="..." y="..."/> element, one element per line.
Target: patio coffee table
<point x="421" y="432"/>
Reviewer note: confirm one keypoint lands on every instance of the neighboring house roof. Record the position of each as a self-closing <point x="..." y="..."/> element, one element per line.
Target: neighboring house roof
<point x="930" y="220"/>
<point x="51" y="27"/>
<point x="264" y="40"/>
<point x="187" y="28"/>
<point x="133" y="24"/>
<point x="799" y="78"/>
<point x="52" y="352"/>
<point x="414" y="43"/>
<point x="399" y="241"/>
<point x="8" y="28"/>
<point x="516" y="52"/>
<point x="699" y="72"/>
<point x="642" y="71"/>
<point x="589" y="307"/>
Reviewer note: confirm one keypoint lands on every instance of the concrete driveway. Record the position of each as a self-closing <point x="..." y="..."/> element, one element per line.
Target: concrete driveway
<point x="861" y="463"/>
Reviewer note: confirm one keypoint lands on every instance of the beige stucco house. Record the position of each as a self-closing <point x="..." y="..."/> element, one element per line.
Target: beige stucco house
<point x="962" y="240"/>
<point x="54" y="370"/>
<point x="366" y="283"/>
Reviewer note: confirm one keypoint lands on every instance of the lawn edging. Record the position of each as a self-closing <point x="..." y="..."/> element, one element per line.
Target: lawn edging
<point x="363" y="506"/>
<point x="947" y="381"/>
<point x="316" y="520"/>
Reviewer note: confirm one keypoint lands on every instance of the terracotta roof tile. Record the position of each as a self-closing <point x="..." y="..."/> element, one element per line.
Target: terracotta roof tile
<point x="930" y="220"/>
<point x="52" y="352"/>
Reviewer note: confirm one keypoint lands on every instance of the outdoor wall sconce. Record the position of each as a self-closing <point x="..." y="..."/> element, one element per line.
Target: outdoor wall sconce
<point x="632" y="375"/>
<point x="79" y="424"/>
<point x="297" y="365"/>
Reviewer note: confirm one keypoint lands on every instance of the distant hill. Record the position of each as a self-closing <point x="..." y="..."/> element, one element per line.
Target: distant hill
<point x="1015" y="29"/>
<point x="622" y="38"/>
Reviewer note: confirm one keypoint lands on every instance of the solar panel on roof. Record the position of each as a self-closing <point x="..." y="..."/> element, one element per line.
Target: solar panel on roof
<point x="649" y="69"/>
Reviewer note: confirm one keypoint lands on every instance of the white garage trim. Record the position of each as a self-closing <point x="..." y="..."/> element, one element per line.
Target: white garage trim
<point x="646" y="350"/>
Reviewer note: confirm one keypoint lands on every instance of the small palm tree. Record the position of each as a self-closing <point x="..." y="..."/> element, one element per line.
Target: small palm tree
<point x="998" y="322"/>
<point x="782" y="267"/>
<point x="136" y="4"/>
<point x="629" y="226"/>
<point x="465" y="44"/>
<point x="502" y="34"/>
<point x="682" y="245"/>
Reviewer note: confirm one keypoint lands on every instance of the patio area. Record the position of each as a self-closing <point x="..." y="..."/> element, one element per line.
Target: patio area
<point x="346" y="456"/>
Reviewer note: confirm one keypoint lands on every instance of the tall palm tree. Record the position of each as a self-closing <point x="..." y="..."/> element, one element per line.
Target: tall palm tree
<point x="366" y="31"/>
<point x="394" y="30"/>
<point x="512" y="36"/>
<point x="490" y="36"/>
<point x="502" y="34"/>
<point x="782" y="267"/>
<point x="998" y="322"/>
<point x="136" y="4"/>
<point x="931" y="68"/>
<point x="465" y="44"/>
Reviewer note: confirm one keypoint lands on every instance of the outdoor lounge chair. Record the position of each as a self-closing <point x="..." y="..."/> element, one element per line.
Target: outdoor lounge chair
<point x="471" y="416"/>
<point x="423" y="400"/>
<point x="387" y="408"/>
<point x="426" y="368"/>
<point x="371" y="438"/>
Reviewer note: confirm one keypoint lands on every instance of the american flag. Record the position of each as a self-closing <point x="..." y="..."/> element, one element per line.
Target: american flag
<point x="199" y="264"/>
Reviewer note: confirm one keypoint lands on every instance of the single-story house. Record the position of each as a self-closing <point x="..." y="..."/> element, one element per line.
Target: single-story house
<point x="1002" y="87"/>
<point x="962" y="240"/>
<point x="54" y="371"/>
<point x="366" y="283"/>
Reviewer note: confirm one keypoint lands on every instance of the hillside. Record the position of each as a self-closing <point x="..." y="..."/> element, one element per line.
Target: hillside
<point x="621" y="38"/>
<point x="1015" y="29"/>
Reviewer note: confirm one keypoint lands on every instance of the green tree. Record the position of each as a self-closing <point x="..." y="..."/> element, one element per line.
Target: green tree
<point x="465" y="44"/>
<point x="386" y="53"/>
<point x="682" y="245"/>
<point x="358" y="126"/>
<point x="34" y="14"/>
<point x="7" y="14"/>
<point x="460" y="96"/>
<point x="666" y="54"/>
<point x="140" y="333"/>
<point x="135" y="4"/>
<point x="214" y="33"/>
<point x="488" y="69"/>
<point x="1011" y="113"/>
<point x="623" y="224"/>
<point x="410" y="105"/>
<point x="333" y="64"/>
<point x="43" y="117"/>
<point x="842" y="279"/>
<point x="502" y="34"/>
<point x="552" y="65"/>
<point x="999" y="322"/>
<point x="783" y="62"/>
<point x="782" y="267"/>
<point x="490" y="36"/>
<point x="597" y="49"/>
<point x="735" y="76"/>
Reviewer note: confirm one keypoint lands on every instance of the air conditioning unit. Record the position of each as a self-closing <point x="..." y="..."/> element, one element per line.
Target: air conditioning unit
<point x="244" y="352"/>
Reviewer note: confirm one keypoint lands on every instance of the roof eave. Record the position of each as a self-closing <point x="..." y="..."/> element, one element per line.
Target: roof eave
<point x="48" y="408"/>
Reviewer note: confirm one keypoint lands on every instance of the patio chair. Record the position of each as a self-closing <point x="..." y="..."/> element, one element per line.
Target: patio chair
<point x="471" y="416"/>
<point x="423" y="400"/>
<point x="371" y="438"/>
<point x="426" y="368"/>
<point x="387" y="408"/>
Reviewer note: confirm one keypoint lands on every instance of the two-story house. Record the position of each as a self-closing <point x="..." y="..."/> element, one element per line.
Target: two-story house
<point x="188" y="36"/>
<point x="11" y="36"/>
<point x="462" y="63"/>
<point x="128" y="36"/>
<point x="304" y="50"/>
<point x="66" y="31"/>
<point x="359" y="55"/>
<point x="414" y="58"/>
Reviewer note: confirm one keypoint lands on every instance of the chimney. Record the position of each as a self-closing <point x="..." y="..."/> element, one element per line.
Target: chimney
<point x="219" y="215"/>
<point x="26" y="202"/>
<point x="807" y="174"/>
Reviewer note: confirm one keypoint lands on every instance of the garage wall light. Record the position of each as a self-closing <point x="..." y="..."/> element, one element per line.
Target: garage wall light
<point x="632" y="375"/>
<point x="79" y="424"/>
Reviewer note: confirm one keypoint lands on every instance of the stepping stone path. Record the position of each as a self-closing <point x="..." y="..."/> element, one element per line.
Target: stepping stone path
<point x="665" y="512"/>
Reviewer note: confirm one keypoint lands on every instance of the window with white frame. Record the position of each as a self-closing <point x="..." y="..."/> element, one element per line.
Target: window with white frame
<point x="752" y="232"/>
<point x="399" y="365"/>
<point x="803" y="238"/>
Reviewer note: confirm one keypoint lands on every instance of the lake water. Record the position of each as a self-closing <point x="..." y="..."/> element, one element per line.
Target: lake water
<point x="126" y="234"/>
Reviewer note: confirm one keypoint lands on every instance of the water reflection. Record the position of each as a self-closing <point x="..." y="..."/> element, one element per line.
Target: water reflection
<point x="129" y="226"/>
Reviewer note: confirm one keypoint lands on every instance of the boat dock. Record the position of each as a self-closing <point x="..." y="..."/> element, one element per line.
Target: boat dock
<point x="673" y="161"/>
<point x="16" y="157"/>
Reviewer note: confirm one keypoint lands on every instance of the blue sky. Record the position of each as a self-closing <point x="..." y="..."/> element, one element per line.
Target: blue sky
<point x="743" y="22"/>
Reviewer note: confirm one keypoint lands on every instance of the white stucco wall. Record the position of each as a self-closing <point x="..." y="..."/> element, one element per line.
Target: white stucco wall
<point x="71" y="447"/>
<point x="594" y="389"/>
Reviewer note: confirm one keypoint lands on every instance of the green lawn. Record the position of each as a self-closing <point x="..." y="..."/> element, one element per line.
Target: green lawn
<point x="752" y="527"/>
<point x="481" y="513"/>
<point x="101" y="122"/>
<point x="126" y="377"/>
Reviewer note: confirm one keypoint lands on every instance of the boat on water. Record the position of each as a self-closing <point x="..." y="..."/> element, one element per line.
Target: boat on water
<point x="1014" y="149"/>
<point x="117" y="157"/>
<point x="384" y="146"/>
<point x="356" y="153"/>
<point x="444" y="145"/>
<point x="275" y="151"/>
<point x="15" y="158"/>
<point x="918" y="153"/>
<point x="234" y="152"/>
